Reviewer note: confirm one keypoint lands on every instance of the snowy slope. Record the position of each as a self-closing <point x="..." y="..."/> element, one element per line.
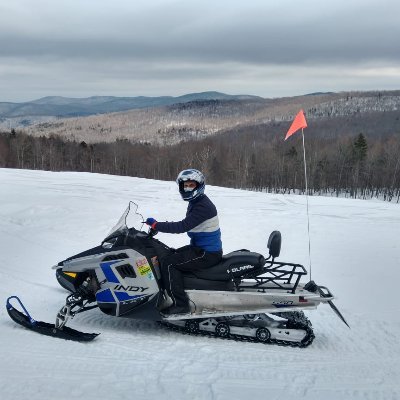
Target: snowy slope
<point x="46" y="217"/>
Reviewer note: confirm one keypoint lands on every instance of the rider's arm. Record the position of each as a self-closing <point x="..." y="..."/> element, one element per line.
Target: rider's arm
<point x="195" y="217"/>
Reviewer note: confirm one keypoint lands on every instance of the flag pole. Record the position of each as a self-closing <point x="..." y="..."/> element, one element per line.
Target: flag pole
<point x="308" y="216"/>
<point x="300" y="122"/>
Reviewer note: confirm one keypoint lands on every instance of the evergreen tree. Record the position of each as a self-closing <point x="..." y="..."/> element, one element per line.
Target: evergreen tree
<point x="360" y="148"/>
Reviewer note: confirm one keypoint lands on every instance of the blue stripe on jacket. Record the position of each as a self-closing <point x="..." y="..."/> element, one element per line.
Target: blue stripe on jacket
<point x="201" y="224"/>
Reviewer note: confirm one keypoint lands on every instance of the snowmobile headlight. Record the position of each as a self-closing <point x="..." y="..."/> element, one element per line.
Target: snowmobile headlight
<point x="71" y="274"/>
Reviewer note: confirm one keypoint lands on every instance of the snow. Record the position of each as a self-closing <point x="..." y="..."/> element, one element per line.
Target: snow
<point x="355" y="252"/>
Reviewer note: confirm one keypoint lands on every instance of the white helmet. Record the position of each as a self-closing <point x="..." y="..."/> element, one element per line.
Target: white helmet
<point x="191" y="175"/>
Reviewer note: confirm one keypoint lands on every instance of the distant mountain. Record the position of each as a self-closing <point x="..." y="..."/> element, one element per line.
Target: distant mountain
<point x="57" y="106"/>
<point x="196" y="116"/>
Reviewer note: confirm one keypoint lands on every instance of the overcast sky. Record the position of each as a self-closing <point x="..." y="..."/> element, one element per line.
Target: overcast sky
<point x="270" y="48"/>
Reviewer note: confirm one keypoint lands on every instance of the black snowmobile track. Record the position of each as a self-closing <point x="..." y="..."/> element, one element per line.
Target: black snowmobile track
<point x="295" y="319"/>
<point x="47" y="329"/>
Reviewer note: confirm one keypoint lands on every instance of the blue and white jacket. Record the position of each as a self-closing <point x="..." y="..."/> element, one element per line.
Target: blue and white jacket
<point x="201" y="224"/>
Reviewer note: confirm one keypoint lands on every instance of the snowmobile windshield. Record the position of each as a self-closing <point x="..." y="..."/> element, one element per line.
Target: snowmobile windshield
<point x="130" y="218"/>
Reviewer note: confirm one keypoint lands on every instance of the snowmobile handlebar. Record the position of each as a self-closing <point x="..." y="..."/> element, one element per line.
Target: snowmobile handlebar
<point x="152" y="232"/>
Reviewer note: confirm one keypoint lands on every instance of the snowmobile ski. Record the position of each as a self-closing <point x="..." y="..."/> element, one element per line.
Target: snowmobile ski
<point x="25" y="319"/>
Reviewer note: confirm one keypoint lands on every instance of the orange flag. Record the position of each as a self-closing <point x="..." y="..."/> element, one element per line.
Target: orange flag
<point x="298" y="123"/>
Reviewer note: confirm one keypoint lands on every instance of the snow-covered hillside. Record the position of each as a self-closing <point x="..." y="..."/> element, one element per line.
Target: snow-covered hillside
<point x="46" y="217"/>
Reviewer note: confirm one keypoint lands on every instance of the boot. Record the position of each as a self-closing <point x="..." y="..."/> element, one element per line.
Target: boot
<point x="171" y="310"/>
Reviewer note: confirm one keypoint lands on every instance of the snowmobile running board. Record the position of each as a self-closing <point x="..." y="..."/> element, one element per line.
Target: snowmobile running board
<point x="249" y="303"/>
<point x="45" y="328"/>
<point x="206" y="304"/>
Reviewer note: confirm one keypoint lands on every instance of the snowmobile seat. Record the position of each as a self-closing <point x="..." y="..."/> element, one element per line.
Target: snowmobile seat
<point x="220" y="276"/>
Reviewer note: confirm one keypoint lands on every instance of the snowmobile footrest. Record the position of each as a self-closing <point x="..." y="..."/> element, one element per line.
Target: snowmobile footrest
<point x="43" y="327"/>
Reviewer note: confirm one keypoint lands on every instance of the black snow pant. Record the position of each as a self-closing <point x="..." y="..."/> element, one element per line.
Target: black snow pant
<point x="187" y="258"/>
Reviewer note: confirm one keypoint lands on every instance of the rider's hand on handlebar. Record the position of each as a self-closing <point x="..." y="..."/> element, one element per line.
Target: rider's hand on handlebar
<point x="151" y="222"/>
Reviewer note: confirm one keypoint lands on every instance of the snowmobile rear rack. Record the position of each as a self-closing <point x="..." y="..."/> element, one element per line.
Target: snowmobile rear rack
<point x="277" y="275"/>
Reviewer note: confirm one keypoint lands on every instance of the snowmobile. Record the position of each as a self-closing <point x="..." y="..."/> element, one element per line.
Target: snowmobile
<point x="246" y="296"/>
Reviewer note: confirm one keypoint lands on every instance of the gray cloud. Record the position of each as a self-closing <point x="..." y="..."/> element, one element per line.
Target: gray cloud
<point x="173" y="47"/>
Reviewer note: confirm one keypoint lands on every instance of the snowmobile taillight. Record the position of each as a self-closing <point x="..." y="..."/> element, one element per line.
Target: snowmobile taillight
<point x="71" y="274"/>
<point x="302" y="299"/>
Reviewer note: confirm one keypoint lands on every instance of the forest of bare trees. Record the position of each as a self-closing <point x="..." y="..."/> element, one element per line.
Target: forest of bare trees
<point x="358" y="166"/>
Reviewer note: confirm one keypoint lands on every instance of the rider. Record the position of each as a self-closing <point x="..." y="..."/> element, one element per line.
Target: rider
<point x="202" y="226"/>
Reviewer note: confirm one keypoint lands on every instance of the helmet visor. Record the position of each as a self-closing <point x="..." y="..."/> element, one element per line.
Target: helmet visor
<point x="188" y="186"/>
